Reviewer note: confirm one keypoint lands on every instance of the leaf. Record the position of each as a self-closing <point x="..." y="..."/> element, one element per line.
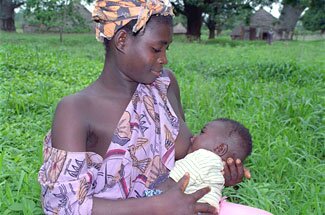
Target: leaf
<point x="16" y="206"/>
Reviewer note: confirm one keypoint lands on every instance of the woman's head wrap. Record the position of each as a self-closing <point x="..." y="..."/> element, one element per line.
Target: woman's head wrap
<point x="111" y="15"/>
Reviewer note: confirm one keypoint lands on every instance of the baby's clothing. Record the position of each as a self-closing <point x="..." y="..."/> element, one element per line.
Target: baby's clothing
<point x="140" y="155"/>
<point x="205" y="169"/>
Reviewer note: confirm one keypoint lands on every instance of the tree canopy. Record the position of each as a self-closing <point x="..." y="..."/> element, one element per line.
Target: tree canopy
<point x="314" y="18"/>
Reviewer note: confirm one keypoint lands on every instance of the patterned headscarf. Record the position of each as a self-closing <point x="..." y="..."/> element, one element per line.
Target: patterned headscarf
<point x="111" y="15"/>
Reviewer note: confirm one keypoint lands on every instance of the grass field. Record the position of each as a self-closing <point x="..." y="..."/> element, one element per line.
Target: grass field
<point x="277" y="91"/>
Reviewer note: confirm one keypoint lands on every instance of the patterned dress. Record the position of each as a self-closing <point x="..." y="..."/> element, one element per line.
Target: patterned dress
<point x="141" y="154"/>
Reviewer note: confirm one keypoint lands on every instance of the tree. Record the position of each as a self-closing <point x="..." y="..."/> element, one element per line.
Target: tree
<point x="215" y="11"/>
<point x="7" y="14"/>
<point x="48" y="13"/>
<point x="222" y="10"/>
<point x="56" y="16"/>
<point x="290" y="14"/>
<point x="314" y="18"/>
<point x="193" y="10"/>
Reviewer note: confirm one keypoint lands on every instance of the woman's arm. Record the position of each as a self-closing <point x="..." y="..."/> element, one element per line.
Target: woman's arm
<point x="182" y="142"/>
<point x="172" y="202"/>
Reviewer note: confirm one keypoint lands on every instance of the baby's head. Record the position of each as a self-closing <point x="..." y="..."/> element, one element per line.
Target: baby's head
<point x="225" y="137"/>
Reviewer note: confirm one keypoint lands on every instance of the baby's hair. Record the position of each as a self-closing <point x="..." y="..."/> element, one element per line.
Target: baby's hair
<point x="242" y="131"/>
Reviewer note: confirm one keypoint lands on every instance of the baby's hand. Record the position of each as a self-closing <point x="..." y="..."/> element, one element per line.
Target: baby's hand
<point x="234" y="172"/>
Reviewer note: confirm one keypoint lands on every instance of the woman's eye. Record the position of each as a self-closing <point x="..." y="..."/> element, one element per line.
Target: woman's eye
<point x="156" y="50"/>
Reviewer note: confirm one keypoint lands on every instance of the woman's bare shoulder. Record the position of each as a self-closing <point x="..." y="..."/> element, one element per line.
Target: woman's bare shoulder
<point x="73" y="102"/>
<point x="69" y="128"/>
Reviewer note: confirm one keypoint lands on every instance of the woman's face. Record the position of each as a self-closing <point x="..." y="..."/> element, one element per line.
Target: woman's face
<point x="145" y="54"/>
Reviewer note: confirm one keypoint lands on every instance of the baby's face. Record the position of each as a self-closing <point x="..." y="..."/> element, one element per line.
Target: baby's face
<point x="216" y="137"/>
<point x="212" y="133"/>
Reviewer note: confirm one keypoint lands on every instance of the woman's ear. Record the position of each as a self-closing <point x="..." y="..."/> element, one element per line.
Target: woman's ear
<point x="221" y="149"/>
<point x="120" y="40"/>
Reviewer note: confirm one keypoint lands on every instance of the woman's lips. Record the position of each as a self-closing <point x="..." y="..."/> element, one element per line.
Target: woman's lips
<point x="156" y="73"/>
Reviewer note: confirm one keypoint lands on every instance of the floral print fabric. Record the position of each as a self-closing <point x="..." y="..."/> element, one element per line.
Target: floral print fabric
<point x="140" y="155"/>
<point x="111" y="15"/>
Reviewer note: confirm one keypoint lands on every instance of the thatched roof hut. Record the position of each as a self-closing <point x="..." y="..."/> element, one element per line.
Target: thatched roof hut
<point x="262" y="18"/>
<point x="179" y="29"/>
<point x="261" y="23"/>
<point x="237" y="32"/>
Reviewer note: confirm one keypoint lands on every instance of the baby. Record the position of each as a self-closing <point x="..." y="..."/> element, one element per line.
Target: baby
<point x="218" y="140"/>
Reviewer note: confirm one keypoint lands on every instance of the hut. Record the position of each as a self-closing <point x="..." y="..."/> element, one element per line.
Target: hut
<point x="263" y="22"/>
<point x="237" y="33"/>
<point x="179" y="29"/>
<point x="260" y="24"/>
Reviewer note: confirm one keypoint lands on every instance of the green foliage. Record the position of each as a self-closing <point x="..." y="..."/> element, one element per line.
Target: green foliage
<point x="51" y="14"/>
<point x="224" y="11"/>
<point x="314" y="18"/>
<point x="304" y="3"/>
<point x="48" y="12"/>
<point x="276" y="91"/>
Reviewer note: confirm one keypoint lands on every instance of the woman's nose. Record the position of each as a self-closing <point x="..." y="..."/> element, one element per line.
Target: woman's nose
<point x="163" y="59"/>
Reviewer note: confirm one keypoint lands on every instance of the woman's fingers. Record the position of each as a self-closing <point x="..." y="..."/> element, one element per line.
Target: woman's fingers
<point x="205" y="208"/>
<point x="247" y="173"/>
<point x="240" y="170"/>
<point x="183" y="182"/>
<point x="233" y="170"/>
<point x="200" y="193"/>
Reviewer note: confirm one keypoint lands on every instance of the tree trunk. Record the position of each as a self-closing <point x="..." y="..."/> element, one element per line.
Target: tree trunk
<point x="61" y="34"/>
<point x="7" y="24"/>
<point x="211" y="24"/>
<point x="194" y="21"/>
<point x="7" y="15"/>
<point x="212" y="33"/>
<point x="289" y="17"/>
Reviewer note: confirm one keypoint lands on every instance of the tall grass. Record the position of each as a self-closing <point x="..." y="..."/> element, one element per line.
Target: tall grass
<point x="276" y="91"/>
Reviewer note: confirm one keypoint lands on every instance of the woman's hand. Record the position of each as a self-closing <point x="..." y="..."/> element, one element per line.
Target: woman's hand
<point x="175" y="201"/>
<point x="234" y="172"/>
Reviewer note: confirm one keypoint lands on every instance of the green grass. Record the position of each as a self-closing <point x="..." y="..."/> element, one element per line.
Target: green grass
<point x="276" y="91"/>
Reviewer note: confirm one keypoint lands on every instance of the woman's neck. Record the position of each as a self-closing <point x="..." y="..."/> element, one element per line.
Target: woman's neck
<point x="113" y="79"/>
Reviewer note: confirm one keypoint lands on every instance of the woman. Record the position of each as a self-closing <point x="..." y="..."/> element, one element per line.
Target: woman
<point x="121" y="135"/>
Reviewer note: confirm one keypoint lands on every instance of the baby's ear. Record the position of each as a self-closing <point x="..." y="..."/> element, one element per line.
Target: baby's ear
<point x="221" y="149"/>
